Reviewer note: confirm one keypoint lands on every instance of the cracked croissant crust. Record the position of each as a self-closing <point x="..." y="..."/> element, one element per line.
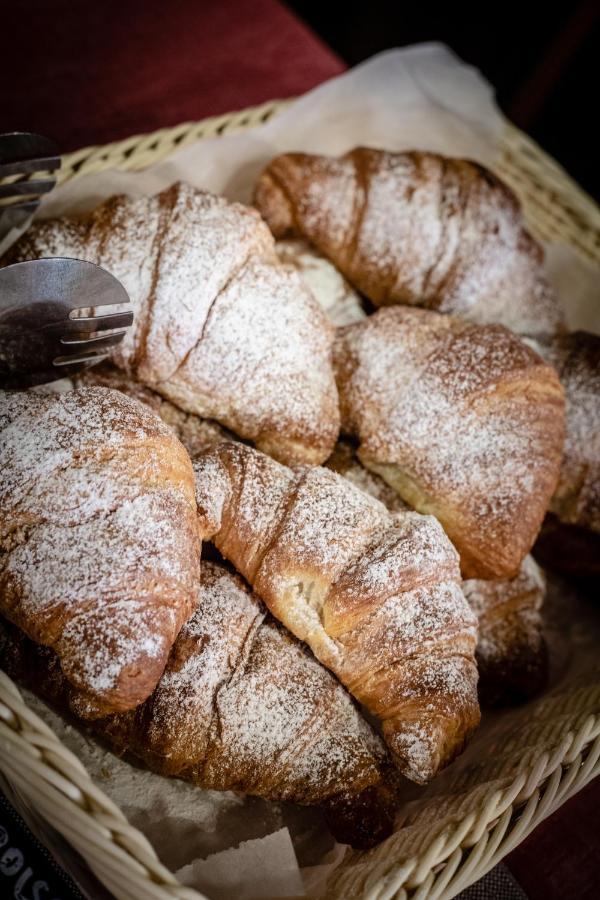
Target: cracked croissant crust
<point x="464" y="421"/>
<point x="241" y="705"/>
<point x="99" y="545"/>
<point x="415" y="228"/>
<point x="377" y="597"/>
<point x="511" y="649"/>
<point x="221" y="327"/>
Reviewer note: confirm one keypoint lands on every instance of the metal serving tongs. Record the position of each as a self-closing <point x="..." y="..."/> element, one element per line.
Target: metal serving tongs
<point x="49" y="326"/>
<point x="23" y="155"/>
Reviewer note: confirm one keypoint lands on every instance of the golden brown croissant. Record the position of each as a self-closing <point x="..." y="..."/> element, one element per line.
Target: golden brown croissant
<point x="415" y="228"/>
<point x="195" y="433"/>
<point x="345" y="461"/>
<point x="576" y="358"/>
<point x="221" y="327"/>
<point x="465" y="421"/>
<point x="376" y="596"/>
<point x="99" y="548"/>
<point x="511" y="651"/>
<point x="240" y="706"/>
<point x="570" y="538"/>
<point x="328" y="286"/>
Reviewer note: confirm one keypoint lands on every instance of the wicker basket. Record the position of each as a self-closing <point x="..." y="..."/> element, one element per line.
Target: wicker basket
<point x="549" y="752"/>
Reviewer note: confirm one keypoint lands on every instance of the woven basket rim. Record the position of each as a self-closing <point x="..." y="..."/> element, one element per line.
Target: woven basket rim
<point x="76" y="162"/>
<point x="54" y="781"/>
<point x="556" y="208"/>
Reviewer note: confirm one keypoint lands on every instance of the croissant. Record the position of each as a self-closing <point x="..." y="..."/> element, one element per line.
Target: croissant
<point x="415" y="228"/>
<point x="511" y="651"/>
<point x="345" y="461"/>
<point x="328" y="286"/>
<point x="375" y="596"/>
<point x="570" y="539"/>
<point x="465" y="421"/>
<point x="576" y="357"/>
<point x="240" y="706"/>
<point x="195" y="434"/>
<point x="221" y="327"/>
<point x="99" y="547"/>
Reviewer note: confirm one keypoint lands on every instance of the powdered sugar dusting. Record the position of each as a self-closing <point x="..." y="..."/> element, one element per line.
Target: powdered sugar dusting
<point x="98" y="538"/>
<point x="110" y="650"/>
<point x="330" y="522"/>
<point x="509" y="614"/>
<point x="344" y="460"/>
<point x="463" y="421"/>
<point x="510" y="644"/>
<point x="410" y="549"/>
<point x="417" y="743"/>
<point x="440" y="700"/>
<point x="263" y="365"/>
<point x="576" y="357"/>
<point x="329" y="287"/>
<point x="409" y="621"/>
<point x="420" y="229"/>
<point x="67" y="565"/>
<point x="221" y="327"/>
<point x="195" y="433"/>
<point x="44" y="438"/>
<point x="367" y="590"/>
<point x="243" y="706"/>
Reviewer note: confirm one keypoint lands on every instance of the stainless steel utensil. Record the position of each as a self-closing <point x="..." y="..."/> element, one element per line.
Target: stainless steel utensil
<point x="22" y="155"/>
<point x="45" y="333"/>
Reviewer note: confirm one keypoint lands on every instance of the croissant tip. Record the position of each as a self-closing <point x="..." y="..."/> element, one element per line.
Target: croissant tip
<point x="421" y="751"/>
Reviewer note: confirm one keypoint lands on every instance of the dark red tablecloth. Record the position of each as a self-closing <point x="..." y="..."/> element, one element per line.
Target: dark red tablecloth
<point x="561" y="859"/>
<point x="88" y="73"/>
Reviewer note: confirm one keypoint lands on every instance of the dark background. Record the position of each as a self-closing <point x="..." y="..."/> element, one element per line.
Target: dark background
<point x="91" y="72"/>
<point x="541" y="58"/>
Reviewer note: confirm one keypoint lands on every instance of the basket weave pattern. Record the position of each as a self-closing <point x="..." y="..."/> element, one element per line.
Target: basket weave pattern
<point x="449" y="840"/>
<point x="555" y="206"/>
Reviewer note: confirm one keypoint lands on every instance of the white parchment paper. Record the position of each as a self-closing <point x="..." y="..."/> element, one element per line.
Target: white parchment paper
<point x="421" y="97"/>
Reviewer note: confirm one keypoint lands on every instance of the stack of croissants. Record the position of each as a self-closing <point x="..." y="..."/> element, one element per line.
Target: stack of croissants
<point x="280" y="543"/>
